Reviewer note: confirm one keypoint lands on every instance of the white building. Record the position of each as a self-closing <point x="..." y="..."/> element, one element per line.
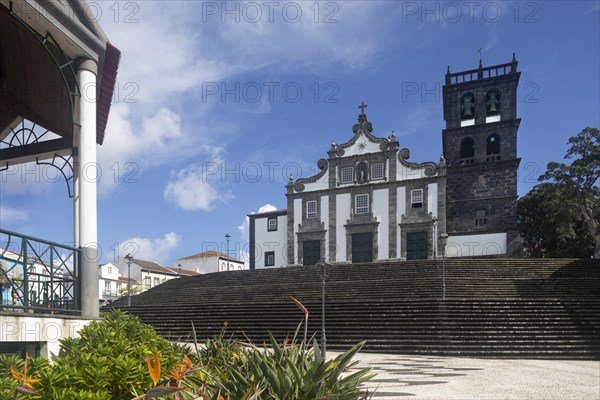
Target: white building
<point x="209" y="261"/>
<point x="369" y="203"/>
<point x="148" y="273"/>
<point x="113" y="285"/>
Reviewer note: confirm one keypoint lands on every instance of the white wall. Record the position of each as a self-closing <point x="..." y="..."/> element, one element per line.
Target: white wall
<point x="342" y="210"/>
<point x="400" y="210"/>
<point x="403" y="173"/>
<point x="321" y="184"/>
<point x="297" y="221"/>
<point x="325" y="219"/>
<point x="381" y="212"/>
<point x="275" y="241"/>
<point x="476" y="245"/>
<point x="206" y="265"/>
<point x="47" y="331"/>
<point x="432" y="199"/>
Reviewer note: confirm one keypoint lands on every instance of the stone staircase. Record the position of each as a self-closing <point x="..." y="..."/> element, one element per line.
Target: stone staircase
<point x="519" y="308"/>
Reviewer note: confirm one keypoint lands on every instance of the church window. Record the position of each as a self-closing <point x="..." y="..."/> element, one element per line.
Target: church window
<point x="311" y="209"/>
<point x="269" y="258"/>
<point x="467" y="151"/>
<point x="467" y="106"/>
<point x="416" y="198"/>
<point x="362" y="203"/>
<point x="376" y="171"/>
<point x="272" y="224"/>
<point x="347" y="175"/>
<point x="492" y="149"/>
<point x="480" y="217"/>
<point x="492" y="102"/>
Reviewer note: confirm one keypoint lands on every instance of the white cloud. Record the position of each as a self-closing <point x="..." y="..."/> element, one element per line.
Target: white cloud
<point x="131" y="147"/>
<point x="157" y="250"/>
<point x="195" y="190"/>
<point x="149" y="119"/>
<point x="10" y="215"/>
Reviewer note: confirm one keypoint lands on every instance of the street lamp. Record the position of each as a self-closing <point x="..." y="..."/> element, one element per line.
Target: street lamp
<point x="443" y="242"/>
<point x="128" y="260"/>
<point x="227" y="237"/>
<point x="323" y="275"/>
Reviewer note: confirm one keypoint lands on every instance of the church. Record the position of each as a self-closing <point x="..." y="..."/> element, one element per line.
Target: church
<point x="369" y="203"/>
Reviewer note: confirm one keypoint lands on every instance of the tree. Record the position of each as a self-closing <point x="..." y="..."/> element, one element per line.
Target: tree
<point x="551" y="225"/>
<point x="580" y="179"/>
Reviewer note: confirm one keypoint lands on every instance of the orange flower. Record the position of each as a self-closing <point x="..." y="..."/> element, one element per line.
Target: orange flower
<point x="157" y="390"/>
<point x="25" y="383"/>
<point x="177" y="375"/>
<point x="301" y="307"/>
<point x="187" y="363"/>
<point x="154" y="370"/>
<point x="234" y="357"/>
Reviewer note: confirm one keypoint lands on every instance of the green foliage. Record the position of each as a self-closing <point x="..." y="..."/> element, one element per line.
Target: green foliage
<point x="285" y="371"/>
<point x="551" y="224"/>
<point x="579" y="179"/>
<point x="107" y="361"/>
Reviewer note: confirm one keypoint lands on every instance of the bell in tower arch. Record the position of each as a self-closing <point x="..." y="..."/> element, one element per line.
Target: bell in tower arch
<point x="493" y="103"/>
<point x="467" y="106"/>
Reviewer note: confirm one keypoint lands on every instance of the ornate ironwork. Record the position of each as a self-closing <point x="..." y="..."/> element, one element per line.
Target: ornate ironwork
<point x="38" y="275"/>
<point x="62" y="164"/>
<point x="24" y="134"/>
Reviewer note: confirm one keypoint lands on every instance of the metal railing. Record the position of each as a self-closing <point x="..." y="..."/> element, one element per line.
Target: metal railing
<point x="37" y="275"/>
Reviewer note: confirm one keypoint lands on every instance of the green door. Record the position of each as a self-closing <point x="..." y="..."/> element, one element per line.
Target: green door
<point x="311" y="252"/>
<point x="362" y="247"/>
<point x="416" y="246"/>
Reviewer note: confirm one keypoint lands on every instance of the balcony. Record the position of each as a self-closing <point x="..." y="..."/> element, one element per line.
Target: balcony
<point x="38" y="276"/>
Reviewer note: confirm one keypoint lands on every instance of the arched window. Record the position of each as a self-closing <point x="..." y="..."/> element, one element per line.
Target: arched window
<point x="492" y="148"/>
<point x="492" y="102"/>
<point x="467" y="106"/>
<point x="467" y="150"/>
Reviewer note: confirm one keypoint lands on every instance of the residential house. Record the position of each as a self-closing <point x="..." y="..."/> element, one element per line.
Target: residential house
<point x="209" y="261"/>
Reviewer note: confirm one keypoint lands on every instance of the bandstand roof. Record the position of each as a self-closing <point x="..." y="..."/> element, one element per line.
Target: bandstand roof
<point x="40" y="44"/>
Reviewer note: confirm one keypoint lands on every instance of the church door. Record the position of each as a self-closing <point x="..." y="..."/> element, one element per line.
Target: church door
<point x="416" y="246"/>
<point x="362" y="247"/>
<point x="311" y="252"/>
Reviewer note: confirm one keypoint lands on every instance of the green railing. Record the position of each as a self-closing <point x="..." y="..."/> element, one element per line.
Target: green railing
<point x="38" y="276"/>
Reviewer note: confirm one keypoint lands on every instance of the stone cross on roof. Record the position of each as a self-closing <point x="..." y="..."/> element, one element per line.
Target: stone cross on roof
<point x="362" y="107"/>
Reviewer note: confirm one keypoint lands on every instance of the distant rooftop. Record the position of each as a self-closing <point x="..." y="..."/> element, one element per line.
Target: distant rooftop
<point x="184" y="272"/>
<point x="209" y="254"/>
<point x="152" y="267"/>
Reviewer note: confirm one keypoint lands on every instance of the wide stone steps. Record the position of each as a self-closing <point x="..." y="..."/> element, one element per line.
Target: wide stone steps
<point x="493" y="307"/>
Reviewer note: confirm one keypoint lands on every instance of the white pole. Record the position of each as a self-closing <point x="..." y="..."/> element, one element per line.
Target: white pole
<point x="88" y="176"/>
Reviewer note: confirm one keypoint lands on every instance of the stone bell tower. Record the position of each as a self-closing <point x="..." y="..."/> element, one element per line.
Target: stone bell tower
<point x="480" y="148"/>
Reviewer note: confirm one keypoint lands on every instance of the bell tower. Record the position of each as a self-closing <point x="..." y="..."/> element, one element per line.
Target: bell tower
<point x="480" y="148"/>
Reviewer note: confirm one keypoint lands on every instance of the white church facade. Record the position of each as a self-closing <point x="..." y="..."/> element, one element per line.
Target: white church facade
<point x="370" y="203"/>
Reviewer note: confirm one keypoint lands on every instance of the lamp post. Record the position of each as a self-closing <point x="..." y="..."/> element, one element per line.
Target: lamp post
<point x="227" y="237"/>
<point x="443" y="241"/>
<point x="128" y="259"/>
<point x="324" y="275"/>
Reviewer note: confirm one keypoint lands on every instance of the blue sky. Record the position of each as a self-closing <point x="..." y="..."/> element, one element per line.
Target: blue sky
<point x="218" y="103"/>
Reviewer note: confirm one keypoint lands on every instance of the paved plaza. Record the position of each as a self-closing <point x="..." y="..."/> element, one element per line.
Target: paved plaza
<point x="450" y="378"/>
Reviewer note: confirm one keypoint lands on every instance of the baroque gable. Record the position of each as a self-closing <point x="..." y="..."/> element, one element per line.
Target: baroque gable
<point x="359" y="154"/>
